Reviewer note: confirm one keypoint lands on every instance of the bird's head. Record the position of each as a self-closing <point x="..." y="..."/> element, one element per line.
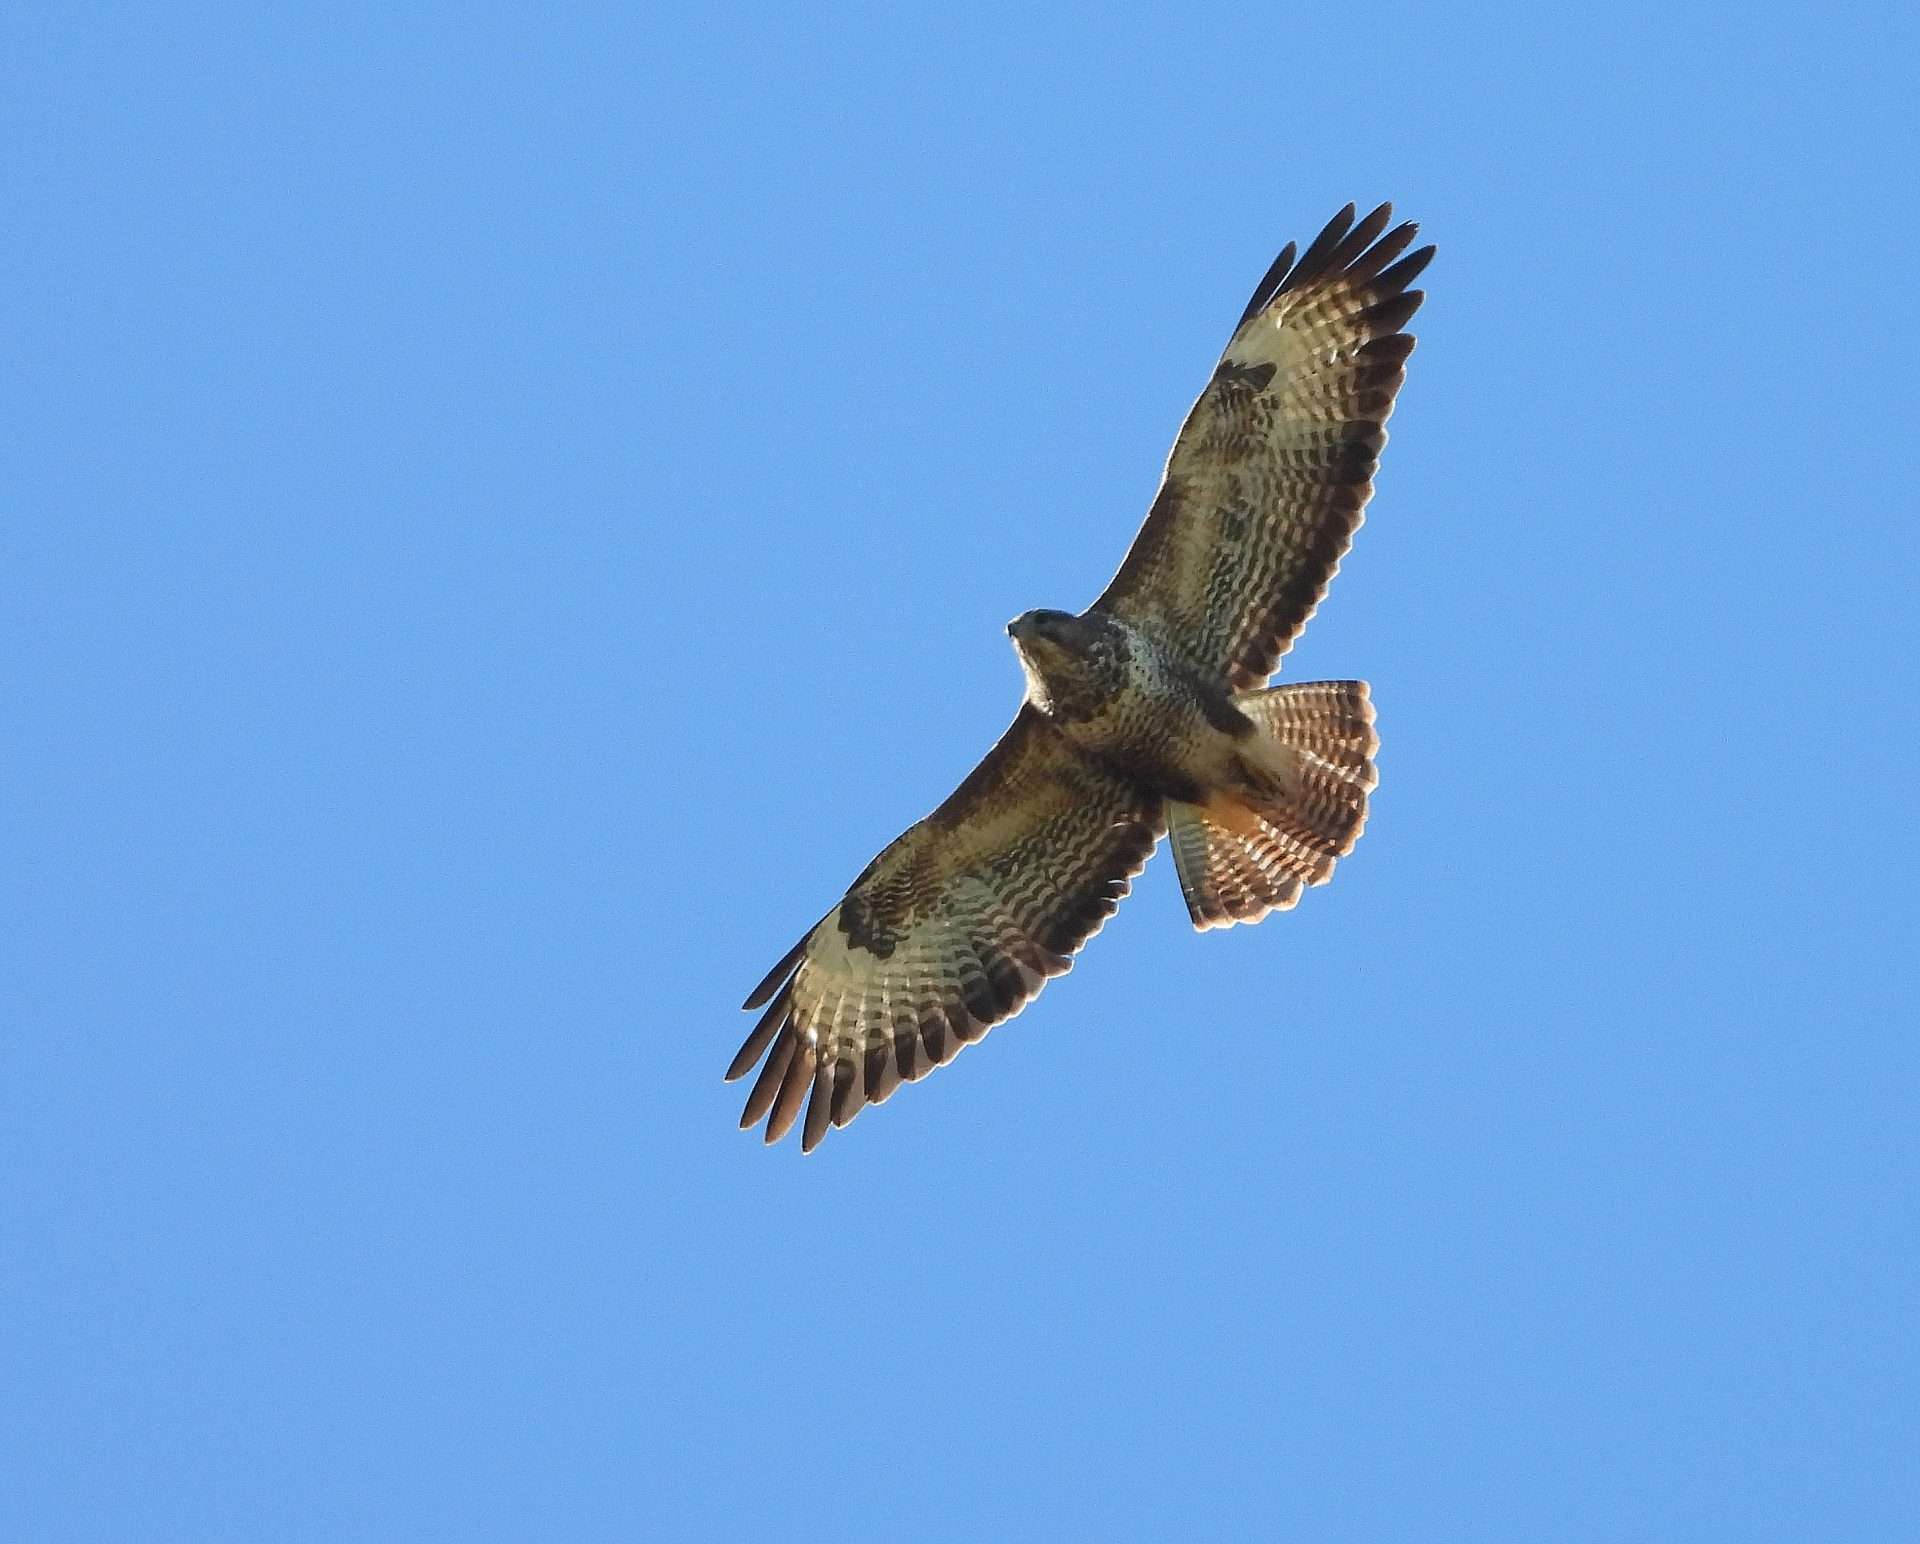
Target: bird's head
<point x="1070" y="661"/>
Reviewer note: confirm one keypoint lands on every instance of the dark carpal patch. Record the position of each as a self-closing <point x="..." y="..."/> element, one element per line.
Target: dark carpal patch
<point x="1248" y="378"/>
<point x="882" y="904"/>
<point x="864" y="930"/>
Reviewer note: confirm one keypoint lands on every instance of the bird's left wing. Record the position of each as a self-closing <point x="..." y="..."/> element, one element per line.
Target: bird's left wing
<point x="954" y="927"/>
<point x="1270" y="473"/>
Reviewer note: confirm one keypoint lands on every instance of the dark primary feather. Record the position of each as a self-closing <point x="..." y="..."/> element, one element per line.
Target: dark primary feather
<point x="1270" y="473"/>
<point x="770" y="983"/>
<point x="1269" y="284"/>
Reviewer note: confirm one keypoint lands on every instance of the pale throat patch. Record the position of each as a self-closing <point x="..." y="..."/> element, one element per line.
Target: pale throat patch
<point x="1037" y="692"/>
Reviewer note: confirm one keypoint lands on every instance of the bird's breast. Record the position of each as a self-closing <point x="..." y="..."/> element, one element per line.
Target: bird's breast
<point x="1151" y="735"/>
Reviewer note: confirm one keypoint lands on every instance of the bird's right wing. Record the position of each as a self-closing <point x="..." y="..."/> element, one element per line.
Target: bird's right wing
<point x="954" y="927"/>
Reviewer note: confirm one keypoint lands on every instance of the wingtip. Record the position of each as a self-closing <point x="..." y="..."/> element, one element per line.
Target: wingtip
<point x="794" y="1083"/>
<point x="776" y="978"/>
<point x="819" y="1106"/>
<point x="766" y="1087"/>
<point x="761" y="1036"/>
<point x="1321" y="249"/>
<point x="1404" y="272"/>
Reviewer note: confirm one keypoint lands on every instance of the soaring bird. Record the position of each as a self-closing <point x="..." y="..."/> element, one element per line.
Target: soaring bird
<point x="1147" y="714"/>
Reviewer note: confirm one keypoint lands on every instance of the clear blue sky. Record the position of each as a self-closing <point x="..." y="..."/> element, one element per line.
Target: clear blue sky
<point x="506" y="509"/>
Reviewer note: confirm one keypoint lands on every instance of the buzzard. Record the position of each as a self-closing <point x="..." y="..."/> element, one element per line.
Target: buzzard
<point x="1148" y="714"/>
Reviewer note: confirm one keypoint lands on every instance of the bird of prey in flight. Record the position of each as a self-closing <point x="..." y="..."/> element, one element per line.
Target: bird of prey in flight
<point x="1147" y="714"/>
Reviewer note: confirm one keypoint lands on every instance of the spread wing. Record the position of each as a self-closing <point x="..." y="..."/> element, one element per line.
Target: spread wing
<point x="954" y="927"/>
<point x="1267" y="480"/>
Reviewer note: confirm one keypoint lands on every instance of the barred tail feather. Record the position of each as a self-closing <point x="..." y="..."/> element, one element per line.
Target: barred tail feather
<point x="1227" y="876"/>
<point x="1248" y="851"/>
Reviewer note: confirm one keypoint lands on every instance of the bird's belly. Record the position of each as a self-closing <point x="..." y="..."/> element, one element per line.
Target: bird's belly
<point x="1162" y="744"/>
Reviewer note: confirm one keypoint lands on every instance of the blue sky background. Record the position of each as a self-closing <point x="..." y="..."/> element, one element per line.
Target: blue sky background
<point x="506" y="509"/>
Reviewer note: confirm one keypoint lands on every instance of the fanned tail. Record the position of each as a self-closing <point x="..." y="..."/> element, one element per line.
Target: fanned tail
<point x="1248" y="851"/>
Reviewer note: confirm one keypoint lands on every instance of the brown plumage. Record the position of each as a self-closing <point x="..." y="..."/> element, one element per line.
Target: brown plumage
<point x="1142" y="715"/>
